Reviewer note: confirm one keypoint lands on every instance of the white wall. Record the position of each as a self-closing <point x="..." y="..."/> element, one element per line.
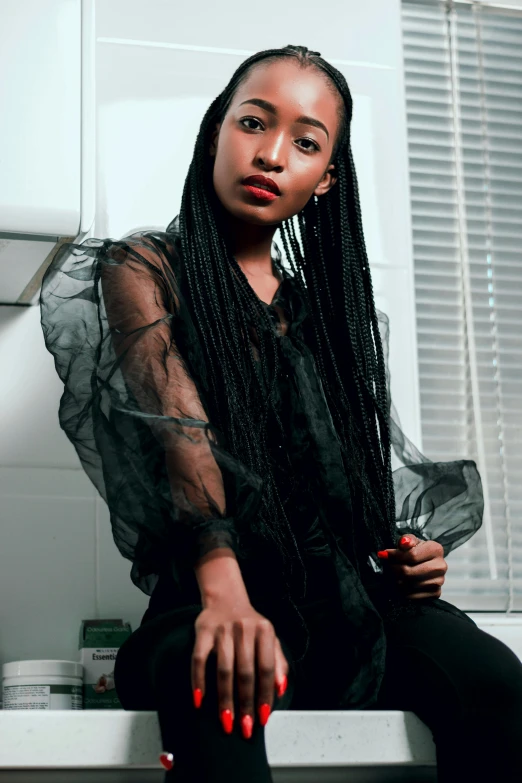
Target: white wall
<point x="157" y="70"/>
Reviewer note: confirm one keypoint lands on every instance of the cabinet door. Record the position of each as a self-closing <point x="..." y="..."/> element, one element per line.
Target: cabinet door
<point x="40" y="102"/>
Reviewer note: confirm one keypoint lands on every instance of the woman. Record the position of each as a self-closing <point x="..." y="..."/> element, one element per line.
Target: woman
<point x="237" y="419"/>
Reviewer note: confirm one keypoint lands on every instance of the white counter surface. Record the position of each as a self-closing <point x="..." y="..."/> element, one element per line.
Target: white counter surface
<point x="89" y="739"/>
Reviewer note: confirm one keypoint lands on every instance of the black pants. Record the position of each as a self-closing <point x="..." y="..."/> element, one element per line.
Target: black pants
<point x="463" y="683"/>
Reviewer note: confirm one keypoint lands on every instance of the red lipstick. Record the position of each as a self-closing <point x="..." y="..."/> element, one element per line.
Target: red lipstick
<point x="262" y="187"/>
<point x="262" y="195"/>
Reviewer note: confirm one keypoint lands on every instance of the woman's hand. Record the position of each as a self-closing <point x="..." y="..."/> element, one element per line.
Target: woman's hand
<point x="418" y="565"/>
<point x="240" y="636"/>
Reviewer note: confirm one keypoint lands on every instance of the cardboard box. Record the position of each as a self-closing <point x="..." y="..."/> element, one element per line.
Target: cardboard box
<point x="99" y="644"/>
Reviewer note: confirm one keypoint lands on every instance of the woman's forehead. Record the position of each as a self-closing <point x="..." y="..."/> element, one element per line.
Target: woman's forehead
<point x="290" y="87"/>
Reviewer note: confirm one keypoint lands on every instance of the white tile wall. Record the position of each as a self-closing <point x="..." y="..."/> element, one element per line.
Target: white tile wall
<point x="118" y="597"/>
<point x="30" y="392"/>
<point x="58" y="562"/>
<point x="47" y="563"/>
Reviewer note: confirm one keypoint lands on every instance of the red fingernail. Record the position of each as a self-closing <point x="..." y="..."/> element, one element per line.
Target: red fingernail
<point x="404" y="540"/>
<point x="383" y="554"/>
<point x="227" y="720"/>
<point x="247" y="723"/>
<point x="264" y="714"/>
<point x="198" y="695"/>
<point x="166" y="760"/>
<point x="281" y="686"/>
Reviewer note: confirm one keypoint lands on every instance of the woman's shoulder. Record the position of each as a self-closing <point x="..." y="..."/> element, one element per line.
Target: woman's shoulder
<point x="146" y="254"/>
<point x="156" y="245"/>
<point x="144" y="264"/>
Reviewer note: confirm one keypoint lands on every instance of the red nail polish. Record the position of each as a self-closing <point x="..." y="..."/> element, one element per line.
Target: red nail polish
<point x="198" y="695"/>
<point x="404" y="540"/>
<point x="281" y="686"/>
<point x="383" y="554"/>
<point x="264" y="714"/>
<point x="166" y="760"/>
<point x="247" y="723"/>
<point x="227" y="720"/>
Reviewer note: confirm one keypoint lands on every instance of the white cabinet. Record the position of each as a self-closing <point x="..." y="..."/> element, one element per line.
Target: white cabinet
<point x="40" y="59"/>
<point x="42" y="48"/>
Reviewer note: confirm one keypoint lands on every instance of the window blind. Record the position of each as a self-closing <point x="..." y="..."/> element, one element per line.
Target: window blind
<point x="463" y="83"/>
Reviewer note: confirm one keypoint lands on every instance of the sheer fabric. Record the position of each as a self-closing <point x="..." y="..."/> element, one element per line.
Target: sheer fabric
<point x="115" y="317"/>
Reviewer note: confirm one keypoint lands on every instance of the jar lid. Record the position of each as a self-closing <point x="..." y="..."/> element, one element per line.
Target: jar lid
<point x="42" y="667"/>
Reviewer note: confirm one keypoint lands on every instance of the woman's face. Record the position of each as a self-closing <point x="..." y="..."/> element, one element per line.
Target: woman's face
<point x="254" y="139"/>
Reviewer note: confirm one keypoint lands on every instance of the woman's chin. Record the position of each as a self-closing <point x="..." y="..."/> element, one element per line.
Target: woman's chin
<point x="253" y="214"/>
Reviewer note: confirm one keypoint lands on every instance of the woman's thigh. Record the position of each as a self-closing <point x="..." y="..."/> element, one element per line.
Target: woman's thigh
<point x="465" y="685"/>
<point x="442" y="666"/>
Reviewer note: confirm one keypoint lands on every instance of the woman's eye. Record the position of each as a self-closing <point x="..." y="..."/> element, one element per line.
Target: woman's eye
<point x="311" y="142"/>
<point x="250" y="119"/>
<point x="253" y="119"/>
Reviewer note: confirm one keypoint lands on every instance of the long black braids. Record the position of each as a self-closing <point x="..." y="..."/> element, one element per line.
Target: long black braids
<point x="333" y="274"/>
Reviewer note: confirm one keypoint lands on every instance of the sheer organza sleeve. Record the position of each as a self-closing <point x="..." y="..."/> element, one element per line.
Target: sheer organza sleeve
<point x="111" y="312"/>
<point x="438" y="501"/>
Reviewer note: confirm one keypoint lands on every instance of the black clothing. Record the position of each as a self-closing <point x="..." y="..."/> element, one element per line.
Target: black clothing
<point x="115" y="317"/>
<point x="463" y="683"/>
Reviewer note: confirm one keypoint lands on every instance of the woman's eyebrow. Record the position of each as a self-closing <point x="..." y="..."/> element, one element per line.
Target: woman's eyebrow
<point x="272" y="109"/>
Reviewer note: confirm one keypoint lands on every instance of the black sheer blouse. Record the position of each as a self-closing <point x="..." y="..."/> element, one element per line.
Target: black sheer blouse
<point x="115" y="317"/>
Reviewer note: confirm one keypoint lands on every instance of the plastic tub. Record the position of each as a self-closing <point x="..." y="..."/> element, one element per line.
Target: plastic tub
<point x="42" y="685"/>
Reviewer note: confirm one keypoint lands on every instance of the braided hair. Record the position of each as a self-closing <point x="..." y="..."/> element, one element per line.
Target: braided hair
<point x="333" y="275"/>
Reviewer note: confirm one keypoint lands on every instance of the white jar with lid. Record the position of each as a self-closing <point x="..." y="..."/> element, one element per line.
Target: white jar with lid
<point x="42" y="685"/>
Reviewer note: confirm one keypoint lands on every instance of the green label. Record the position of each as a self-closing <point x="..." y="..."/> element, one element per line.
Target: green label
<point x="74" y="689"/>
<point x="100" y="701"/>
<point x="104" y="636"/>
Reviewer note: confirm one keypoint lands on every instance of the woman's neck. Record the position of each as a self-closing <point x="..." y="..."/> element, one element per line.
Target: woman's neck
<point x="251" y="246"/>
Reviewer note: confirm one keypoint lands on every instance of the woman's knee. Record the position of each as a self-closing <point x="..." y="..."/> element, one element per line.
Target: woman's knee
<point x="498" y="676"/>
<point x="173" y="664"/>
<point x="160" y="653"/>
<point x="465" y="669"/>
<point x="170" y="664"/>
<point x="156" y="653"/>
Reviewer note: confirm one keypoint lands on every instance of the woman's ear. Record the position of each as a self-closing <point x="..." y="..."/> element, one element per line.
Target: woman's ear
<point x="327" y="182"/>
<point x="213" y="140"/>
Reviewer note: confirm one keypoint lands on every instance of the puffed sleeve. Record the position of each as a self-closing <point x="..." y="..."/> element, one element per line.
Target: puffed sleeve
<point x="111" y="313"/>
<point x="436" y="501"/>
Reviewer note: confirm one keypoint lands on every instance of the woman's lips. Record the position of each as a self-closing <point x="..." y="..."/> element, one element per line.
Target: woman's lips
<point x="260" y="193"/>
